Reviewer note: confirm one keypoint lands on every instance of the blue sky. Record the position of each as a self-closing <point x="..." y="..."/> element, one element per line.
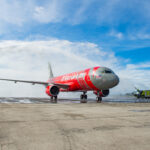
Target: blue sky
<point x="116" y="25"/>
<point x="112" y="33"/>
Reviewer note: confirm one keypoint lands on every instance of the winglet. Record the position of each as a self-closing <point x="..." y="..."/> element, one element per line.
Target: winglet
<point x="50" y="71"/>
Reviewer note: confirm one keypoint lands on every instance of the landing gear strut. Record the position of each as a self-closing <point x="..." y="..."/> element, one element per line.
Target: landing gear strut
<point x="83" y="98"/>
<point x="53" y="99"/>
<point x="99" y="99"/>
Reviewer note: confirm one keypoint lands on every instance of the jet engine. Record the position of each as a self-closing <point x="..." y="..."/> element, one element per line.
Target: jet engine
<point x="102" y="93"/>
<point x="52" y="90"/>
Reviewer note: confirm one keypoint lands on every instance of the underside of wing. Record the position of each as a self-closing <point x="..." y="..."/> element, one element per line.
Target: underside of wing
<point x="64" y="86"/>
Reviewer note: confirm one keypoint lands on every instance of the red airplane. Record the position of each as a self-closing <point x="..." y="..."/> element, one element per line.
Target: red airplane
<point x="96" y="79"/>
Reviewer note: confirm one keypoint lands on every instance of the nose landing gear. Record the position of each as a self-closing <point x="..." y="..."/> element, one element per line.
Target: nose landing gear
<point x="83" y="98"/>
<point x="99" y="99"/>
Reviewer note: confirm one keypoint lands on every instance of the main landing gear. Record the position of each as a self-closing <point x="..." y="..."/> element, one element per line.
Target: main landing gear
<point x="83" y="98"/>
<point x="53" y="99"/>
<point x="99" y="96"/>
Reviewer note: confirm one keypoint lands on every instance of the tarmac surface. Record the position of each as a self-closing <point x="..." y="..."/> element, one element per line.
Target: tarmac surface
<point x="74" y="126"/>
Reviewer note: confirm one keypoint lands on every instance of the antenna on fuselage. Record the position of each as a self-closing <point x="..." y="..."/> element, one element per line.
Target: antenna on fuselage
<point x="50" y="71"/>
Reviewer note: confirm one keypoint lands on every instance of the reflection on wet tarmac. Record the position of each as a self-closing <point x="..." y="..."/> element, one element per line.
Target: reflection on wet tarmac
<point x="140" y="110"/>
<point x="114" y="99"/>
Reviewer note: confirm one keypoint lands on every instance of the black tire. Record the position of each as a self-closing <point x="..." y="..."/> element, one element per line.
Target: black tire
<point x="83" y="101"/>
<point x="99" y="99"/>
<point x="85" y="96"/>
<point x="51" y="99"/>
<point x="81" y="96"/>
<point x="54" y="99"/>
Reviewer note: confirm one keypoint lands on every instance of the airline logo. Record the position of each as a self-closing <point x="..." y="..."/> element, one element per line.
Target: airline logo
<point x="76" y="76"/>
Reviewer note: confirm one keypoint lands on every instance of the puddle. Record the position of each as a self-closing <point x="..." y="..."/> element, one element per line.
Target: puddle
<point x="111" y="99"/>
<point x="148" y="110"/>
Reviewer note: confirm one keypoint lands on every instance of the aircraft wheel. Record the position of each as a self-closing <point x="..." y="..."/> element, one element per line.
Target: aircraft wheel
<point x="51" y="99"/>
<point x="99" y="99"/>
<point x="55" y="99"/>
<point x="83" y="98"/>
<point x="83" y="101"/>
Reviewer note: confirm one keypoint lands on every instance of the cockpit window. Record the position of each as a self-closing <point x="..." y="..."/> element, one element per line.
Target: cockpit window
<point x="108" y="71"/>
<point x="104" y="70"/>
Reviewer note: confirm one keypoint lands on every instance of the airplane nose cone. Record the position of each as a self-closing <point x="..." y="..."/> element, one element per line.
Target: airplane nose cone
<point x="116" y="80"/>
<point x="113" y="81"/>
<point x="109" y="81"/>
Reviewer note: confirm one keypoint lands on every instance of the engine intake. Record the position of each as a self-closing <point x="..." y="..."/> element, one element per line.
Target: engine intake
<point x="52" y="90"/>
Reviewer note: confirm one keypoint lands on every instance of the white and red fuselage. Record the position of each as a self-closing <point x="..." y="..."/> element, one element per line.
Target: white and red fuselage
<point x="95" y="79"/>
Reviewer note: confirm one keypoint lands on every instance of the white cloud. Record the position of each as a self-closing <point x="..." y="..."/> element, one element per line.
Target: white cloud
<point x="134" y="75"/>
<point x="28" y="60"/>
<point x="116" y="34"/>
<point x="139" y="36"/>
<point x="69" y="11"/>
<point x="143" y="66"/>
<point x="15" y="12"/>
<point x="50" y="12"/>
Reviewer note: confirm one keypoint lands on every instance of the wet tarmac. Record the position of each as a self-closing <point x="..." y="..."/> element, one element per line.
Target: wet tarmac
<point x="36" y="124"/>
<point x="114" y="99"/>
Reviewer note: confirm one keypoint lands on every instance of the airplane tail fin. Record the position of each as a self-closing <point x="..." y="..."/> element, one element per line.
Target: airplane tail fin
<point x="50" y="71"/>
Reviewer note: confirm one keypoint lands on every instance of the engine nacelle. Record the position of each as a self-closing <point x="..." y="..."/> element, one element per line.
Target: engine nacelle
<point x="52" y="90"/>
<point x="102" y="93"/>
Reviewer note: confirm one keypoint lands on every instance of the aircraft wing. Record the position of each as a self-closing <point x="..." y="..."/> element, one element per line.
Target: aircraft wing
<point x="37" y="82"/>
<point x="32" y="82"/>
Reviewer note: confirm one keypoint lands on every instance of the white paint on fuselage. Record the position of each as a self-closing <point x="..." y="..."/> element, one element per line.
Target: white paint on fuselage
<point x="104" y="78"/>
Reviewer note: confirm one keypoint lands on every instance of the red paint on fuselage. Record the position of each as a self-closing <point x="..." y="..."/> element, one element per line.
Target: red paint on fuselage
<point x="77" y="81"/>
<point x="48" y="90"/>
